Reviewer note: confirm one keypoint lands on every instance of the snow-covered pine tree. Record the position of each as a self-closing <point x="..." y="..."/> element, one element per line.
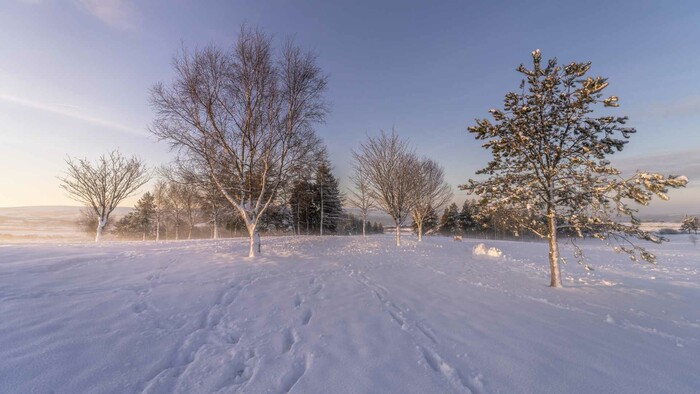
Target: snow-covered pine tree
<point x="467" y="216"/>
<point x="550" y="162"/>
<point x="449" y="222"/>
<point x="328" y="199"/>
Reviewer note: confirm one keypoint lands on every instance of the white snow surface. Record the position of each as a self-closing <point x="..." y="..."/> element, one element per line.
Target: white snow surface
<point x="345" y="315"/>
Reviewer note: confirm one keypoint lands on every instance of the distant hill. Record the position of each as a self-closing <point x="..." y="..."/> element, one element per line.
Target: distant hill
<point x="374" y="216"/>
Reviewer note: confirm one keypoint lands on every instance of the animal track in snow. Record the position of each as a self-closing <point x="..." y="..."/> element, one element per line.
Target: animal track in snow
<point x="426" y="331"/>
<point x="288" y="340"/>
<point x="297" y="300"/>
<point x="397" y="318"/>
<point x="139" y="307"/>
<point x="421" y="334"/>
<point x="437" y="364"/>
<point x="306" y="317"/>
<point x="233" y="338"/>
<point x="297" y="370"/>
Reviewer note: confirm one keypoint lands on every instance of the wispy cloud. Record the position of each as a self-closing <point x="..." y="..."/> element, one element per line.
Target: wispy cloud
<point x="676" y="162"/>
<point x="685" y="106"/>
<point x="120" y="14"/>
<point x="69" y="111"/>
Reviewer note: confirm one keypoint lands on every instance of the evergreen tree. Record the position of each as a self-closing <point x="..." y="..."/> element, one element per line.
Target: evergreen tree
<point x="327" y="199"/>
<point x="301" y="204"/>
<point x="138" y="222"/>
<point x="450" y="223"/>
<point x="431" y="223"/>
<point x="145" y="210"/>
<point x="127" y="226"/>
<point x="467" y="217"/>
<point x="550" y="162"/>
<point x="442" y="226"/>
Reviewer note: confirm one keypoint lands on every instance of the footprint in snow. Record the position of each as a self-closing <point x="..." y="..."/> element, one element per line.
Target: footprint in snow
<point x="306" y="317"/>
<point x="295" y="372"/>
<point x="288" y="340"/>
<point x="139" y="307"/>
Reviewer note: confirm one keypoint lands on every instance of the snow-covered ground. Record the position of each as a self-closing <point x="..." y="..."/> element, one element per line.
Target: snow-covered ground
<point x="343" y="315"/>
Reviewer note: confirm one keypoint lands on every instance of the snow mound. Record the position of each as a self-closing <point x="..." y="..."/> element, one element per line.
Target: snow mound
<point x="480" y="250"/>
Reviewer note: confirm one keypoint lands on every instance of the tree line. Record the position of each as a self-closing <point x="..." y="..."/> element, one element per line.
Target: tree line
<point x="242" y="122"/>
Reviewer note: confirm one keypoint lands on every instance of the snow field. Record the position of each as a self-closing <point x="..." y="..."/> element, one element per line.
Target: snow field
<point x="343" y="315"/>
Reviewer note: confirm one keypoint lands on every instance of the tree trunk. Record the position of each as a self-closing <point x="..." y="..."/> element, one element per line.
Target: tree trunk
<point x="398" y="234"/>
<point x="321" y="231"/>
<point x="101" y="222"/>
<point x="157" y="229"/>
<point x="251" y="244"/>
<point x="553" y="250"/>
<point x="216" y="229"/>
<point x="189" y="235"/>
<point x="253" y="241"/>
<point x="364" y="224"/>
<point x="420" y="231"/>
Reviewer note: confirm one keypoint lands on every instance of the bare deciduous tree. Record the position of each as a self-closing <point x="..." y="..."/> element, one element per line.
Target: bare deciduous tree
<point x="103" y="185"/>
<point x="175" y="195"/>
<point x="360" y="197"/>
<point x="184" y="194"/>
<point x="390" y="166"/>
<point x="245" y="118"/>
<point x="431" y="191"/>
<point x="160" y="195"/>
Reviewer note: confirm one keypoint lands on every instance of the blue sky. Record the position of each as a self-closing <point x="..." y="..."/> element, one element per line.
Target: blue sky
<point x="75" y="74"/>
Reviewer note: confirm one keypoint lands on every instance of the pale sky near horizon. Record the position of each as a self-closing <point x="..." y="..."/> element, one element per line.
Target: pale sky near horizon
<point x="75" y="74"/>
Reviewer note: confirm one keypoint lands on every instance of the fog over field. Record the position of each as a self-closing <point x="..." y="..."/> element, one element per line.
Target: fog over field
<point x="61" y="223"/>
